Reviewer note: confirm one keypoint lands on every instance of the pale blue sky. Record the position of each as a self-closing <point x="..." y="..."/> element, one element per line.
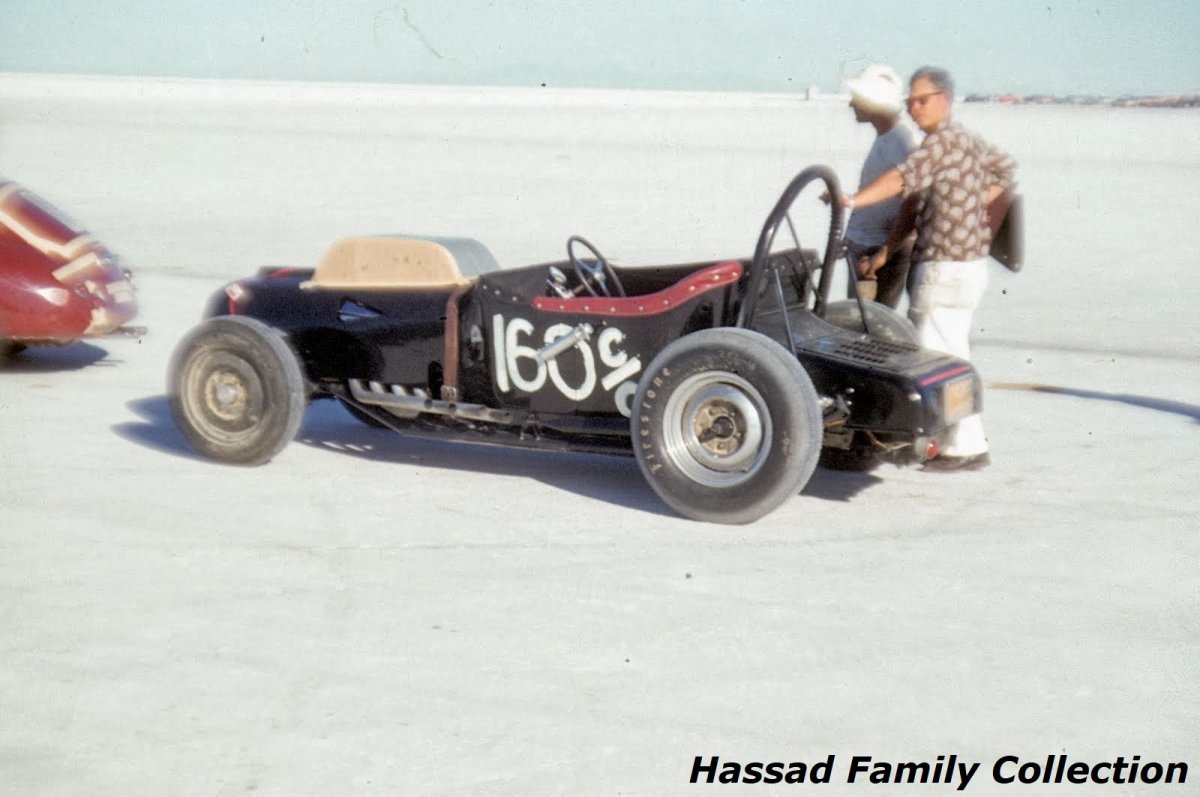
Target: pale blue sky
<point x="1051" y="46"/>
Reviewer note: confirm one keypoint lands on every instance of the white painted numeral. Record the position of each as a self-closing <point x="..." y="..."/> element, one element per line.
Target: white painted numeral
<point x="509" y="354"/>
<point x="589" y="366"/>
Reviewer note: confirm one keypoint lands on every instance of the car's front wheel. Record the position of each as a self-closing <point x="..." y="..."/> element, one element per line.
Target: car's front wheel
<point x="726" y="425"/>
<point x="236" y="390"/>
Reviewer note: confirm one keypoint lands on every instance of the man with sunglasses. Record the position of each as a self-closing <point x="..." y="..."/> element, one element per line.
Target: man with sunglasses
<point x="956" y="174"/>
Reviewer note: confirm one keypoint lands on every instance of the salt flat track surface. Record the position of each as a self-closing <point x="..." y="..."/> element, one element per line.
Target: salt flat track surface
<point x="375" y="614"/>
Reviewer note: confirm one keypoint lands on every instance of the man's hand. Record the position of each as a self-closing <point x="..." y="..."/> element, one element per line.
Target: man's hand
<point x="868" y="267"/>
<point x="847" y="200"/>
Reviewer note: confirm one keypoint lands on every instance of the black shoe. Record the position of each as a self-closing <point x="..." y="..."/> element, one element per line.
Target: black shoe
<point x="945" y="464"/>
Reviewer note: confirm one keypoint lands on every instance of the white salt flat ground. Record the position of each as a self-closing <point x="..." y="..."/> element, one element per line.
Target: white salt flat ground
<point x="372" y="614"/>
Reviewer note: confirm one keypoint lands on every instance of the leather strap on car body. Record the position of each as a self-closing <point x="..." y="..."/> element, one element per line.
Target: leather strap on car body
<point x="451" y="340"/>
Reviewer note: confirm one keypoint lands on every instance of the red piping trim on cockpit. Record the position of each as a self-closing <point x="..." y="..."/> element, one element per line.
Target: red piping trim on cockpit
<point x="685" y="290"/>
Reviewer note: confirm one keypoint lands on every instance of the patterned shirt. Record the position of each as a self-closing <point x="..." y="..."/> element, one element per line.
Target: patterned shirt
<point x="953" y="168"/>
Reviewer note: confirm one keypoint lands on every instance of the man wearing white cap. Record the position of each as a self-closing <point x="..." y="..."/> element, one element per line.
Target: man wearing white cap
<point x="876" y="96"/>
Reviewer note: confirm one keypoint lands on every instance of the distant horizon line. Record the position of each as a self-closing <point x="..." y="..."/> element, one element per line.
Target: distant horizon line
<point x="810" y="92"/>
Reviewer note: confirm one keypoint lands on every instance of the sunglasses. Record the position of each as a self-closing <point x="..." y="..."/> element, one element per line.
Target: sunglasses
<point x="921" y="99"/>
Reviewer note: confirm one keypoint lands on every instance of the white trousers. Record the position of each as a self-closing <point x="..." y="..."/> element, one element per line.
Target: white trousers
<point x="944" y="297"/>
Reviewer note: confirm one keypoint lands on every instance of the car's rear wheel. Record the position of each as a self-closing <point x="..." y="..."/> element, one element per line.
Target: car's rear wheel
<point x="236" y="390"/>
<point x="726" y="425"/>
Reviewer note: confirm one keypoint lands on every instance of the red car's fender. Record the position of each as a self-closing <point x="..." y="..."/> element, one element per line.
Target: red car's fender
<point x="57" y="282"/>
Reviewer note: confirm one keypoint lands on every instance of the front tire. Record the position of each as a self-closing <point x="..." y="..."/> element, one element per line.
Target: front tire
<point x="236" y="391"/>
<point x="726" y="425"/>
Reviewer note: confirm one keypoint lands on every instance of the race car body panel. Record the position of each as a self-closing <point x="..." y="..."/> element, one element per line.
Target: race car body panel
<point x="501" y="335"/>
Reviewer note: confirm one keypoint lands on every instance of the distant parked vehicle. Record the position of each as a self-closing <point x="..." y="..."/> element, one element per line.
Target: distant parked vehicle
<point x="57" y="282"/>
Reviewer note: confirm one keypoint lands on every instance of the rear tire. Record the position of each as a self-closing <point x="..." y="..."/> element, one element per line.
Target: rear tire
<point x="726" y="425"/>
<point x="235" y="390"/>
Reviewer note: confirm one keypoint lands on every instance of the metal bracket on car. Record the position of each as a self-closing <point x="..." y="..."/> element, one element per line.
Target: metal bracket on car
<point x="399" y="401"/>
<point x="837" y="437"/>
<point x="888" y="448"/>
<point x="580" y="334"/>
<point x="834" y="410"/>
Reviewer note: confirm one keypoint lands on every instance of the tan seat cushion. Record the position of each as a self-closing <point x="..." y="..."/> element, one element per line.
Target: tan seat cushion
<point x="387" y="263"/>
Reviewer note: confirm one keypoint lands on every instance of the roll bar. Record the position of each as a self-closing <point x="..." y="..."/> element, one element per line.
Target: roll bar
<point x="758" y="266"/>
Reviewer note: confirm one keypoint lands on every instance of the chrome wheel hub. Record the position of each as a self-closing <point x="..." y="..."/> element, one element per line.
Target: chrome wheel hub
<point x="717" y="428"/>
<point x="225" y="395"/>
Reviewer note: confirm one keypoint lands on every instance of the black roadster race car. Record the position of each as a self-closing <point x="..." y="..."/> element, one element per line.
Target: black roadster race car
<point x="728" y="380"/>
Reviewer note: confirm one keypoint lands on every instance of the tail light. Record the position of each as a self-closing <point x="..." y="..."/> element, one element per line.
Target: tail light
<point x="235" y="293"/>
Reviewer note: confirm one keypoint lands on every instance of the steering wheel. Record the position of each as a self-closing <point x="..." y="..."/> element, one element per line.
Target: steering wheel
<point x="597" y="275"/>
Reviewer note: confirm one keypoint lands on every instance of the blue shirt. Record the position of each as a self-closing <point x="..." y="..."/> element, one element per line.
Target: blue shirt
<point x="870" y="226"/>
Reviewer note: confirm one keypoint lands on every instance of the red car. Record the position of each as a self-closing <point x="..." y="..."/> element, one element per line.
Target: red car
<point x="57" y="282"/>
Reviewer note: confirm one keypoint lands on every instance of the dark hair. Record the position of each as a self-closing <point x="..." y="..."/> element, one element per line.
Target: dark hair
<point x="939" y="77"/>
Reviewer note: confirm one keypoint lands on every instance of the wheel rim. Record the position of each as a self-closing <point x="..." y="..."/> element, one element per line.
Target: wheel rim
<point x="224" y="395"/>
<point x="717" y="429"/>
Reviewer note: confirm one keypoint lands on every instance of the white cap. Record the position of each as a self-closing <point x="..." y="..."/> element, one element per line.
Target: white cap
<point x="878" y="88"/>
